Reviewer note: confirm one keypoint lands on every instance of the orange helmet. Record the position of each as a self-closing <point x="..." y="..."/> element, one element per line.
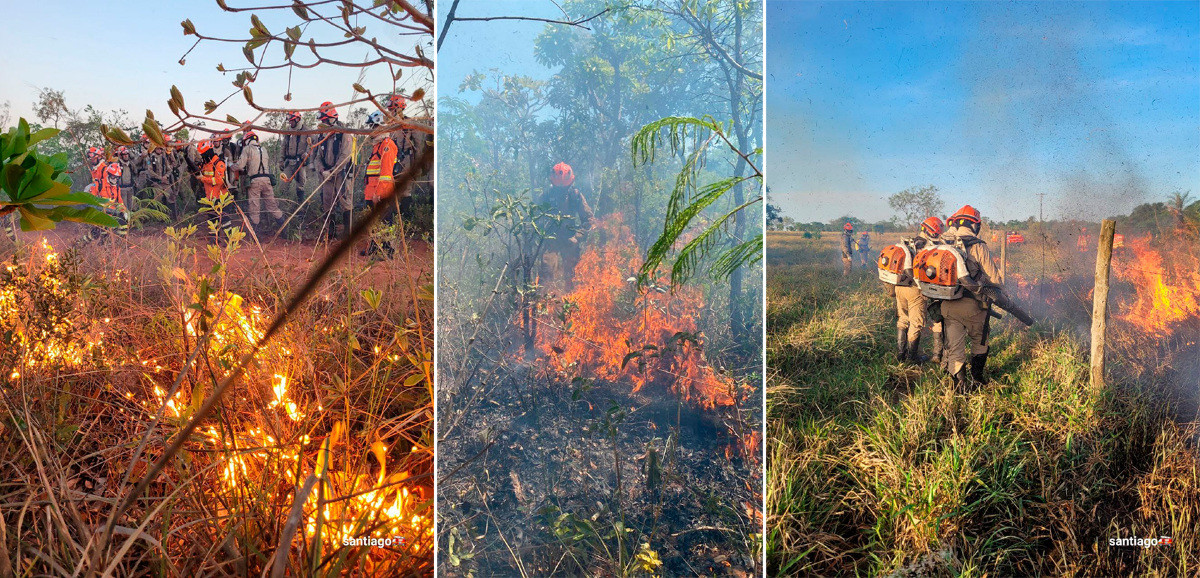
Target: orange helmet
<point x="113" y="170"/>
<point x="848" y="227"/>
<point x="294" y="116"/>
<point x="396" y="102"/>
<point x="203" y="147"/>
<point x="327" y="112"/>
<point x="122" y="150"/>
<point x="562" y="176"/>
<point x="249" y="134"/>
<point x="95" y="151"/>
<point x="967" y="216"/>
<point x="932" y="227"/>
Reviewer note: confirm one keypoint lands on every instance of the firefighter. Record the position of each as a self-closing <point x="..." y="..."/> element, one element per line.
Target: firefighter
<point x="577" y="220"/>
<point x="333" y="152"/>
<point x="260" y="190"/>
<point x="129" y="174"/>
<point x="847" y="248"/>
<point x="295" y="151"/>
<point x="911" y="305"/>
<point x="381" y="166"/>
<point x="966" y="319"/>
<point x="864" y="249"/>
<point x="159" y="174"/>
<point x="409" y="145"/>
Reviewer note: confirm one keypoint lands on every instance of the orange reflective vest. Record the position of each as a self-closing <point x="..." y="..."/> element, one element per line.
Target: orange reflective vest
<point x="104" y="187"/>
<point x="379" y="170"/>
<point x="212" y="176"/>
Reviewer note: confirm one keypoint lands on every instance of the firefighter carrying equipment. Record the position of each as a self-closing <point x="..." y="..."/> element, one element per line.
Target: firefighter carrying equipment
<point x="943" y="271"/>
<point x="380" y="167"/>
<point x="396" y="102"/>
<point x="562" y="175"/>
<point x="848" y="227"/>
<point x="967" y="216"/>
<point x="327" y="112"/>
<point x="110" y="184"/>
<point x="932" y="227"/>
<point x="262" y="165"/>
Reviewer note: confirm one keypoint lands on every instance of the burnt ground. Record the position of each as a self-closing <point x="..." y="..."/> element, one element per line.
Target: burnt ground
<point x="532" y="473"/>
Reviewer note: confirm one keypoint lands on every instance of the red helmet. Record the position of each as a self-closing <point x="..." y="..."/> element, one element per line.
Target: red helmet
<point x="203" y="147"/>
<point x="95" y="151"/>
<point x="113" y="170"/>
<point x="967" y="216"/>
<point x="562" y="176"/>
<point x="249" y="134"/>
<point x="932" y="227"/>
<point x="848" y="227"/>
<point x="327" y="112"/>
<point x="396" y="102"/>
<point x="294" y="116"/>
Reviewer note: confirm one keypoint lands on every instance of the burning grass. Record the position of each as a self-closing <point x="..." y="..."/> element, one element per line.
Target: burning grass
<point x="110" y="350"/>
<point x="876" y="469"/>
<point x="618" y="445"/>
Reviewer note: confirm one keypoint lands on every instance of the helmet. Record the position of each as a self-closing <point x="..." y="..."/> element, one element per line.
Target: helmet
<point x="113" y="170"/>
<point x="848" y="227"/>
<point x="327" y="113"/>
<point x="204" y="147"/>
<point x="122" y="150"/>
<point x="374" y="119"/>
<point x="932" y="227"/>
<point x="249" y="134"/>
<point x="562" y="176"/>
<point x="293" y="116"/>
<point x="396" y="102"/>
<point x="967" y="216"/>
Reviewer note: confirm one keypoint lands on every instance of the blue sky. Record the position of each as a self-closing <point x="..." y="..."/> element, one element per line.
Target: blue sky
<point x="503" y="44"/>
<point x="1096" y="105"/>
<point x="126" y="56"/>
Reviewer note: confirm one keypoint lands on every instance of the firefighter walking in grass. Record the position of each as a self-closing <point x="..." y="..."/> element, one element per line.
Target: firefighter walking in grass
<point x="847" y="248"/>
<point x="896" y="269"/>
<point x="295" y="152"/>
<point x="960" y="273"/>
<point x="577" y="220"/>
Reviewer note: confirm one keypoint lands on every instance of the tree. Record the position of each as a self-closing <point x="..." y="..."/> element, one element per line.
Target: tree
<point x="914" y="205"/>
<point x="332" y="34"/>
<point x="38" y="187"/>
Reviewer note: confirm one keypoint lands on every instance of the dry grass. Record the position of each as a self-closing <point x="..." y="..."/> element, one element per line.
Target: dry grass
<point x="326" y="435"/>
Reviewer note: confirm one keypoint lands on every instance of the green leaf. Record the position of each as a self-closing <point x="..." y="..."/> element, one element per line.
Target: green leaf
<point x="300" y="10"/>
<point x="41" y="135"/>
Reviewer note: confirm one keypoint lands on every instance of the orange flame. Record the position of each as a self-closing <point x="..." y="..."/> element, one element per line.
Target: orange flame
<point x="611" y="330"/>
<point x="1167" y="285"/>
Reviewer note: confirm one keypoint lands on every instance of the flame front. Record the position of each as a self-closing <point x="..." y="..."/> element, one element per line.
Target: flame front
<point x="1167" y="286"/>
<point x="609" y="329"/>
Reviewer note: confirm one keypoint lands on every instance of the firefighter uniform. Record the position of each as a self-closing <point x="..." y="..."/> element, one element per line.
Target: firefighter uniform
<point x="255" y="164"/>
<point x="864" y="249"/>
<point x="966" y="318"/>
<point x="295" y="164"/>
<point x="847" y="248"/>
<point x="911" y="305"/>
<point x="130" y="167"/>
<point x="380" y="168"/>
<point x="160" y="175"/>
<point x="333" y="170"/>
<point x="570" y="232"/>
<point x="212" y="177"/>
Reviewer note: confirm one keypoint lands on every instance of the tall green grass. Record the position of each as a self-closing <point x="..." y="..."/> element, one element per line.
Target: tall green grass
<point x="879" y="469"/>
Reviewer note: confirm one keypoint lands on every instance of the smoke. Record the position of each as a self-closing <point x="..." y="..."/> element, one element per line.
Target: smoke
<point x="1036" y="107"/>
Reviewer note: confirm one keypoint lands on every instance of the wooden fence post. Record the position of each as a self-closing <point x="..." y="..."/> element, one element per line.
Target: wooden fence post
<point x="1100" y="301"/>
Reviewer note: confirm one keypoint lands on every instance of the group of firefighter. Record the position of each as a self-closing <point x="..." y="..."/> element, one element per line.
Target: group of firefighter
<point x="944" y="280"/>
<point x="219" y="165"/>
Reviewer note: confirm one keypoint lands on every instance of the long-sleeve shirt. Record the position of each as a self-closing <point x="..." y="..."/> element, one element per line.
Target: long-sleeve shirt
<point x="254" y="162"/>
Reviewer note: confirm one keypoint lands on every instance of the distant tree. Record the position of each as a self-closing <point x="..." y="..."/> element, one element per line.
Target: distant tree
<point x="5" y="114"/>
<point x="775" y="218"/>
<point x="914" y="205"/>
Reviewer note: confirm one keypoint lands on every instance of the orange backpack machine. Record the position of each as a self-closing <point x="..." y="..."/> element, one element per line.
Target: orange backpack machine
<point x="895" y="265"/>
<point x="941" y="272"/>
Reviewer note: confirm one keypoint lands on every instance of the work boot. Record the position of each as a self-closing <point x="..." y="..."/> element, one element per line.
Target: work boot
<point x="901" y="344"/>
<point x="348" y="222"/>
<point x="937" y="347"/>
<point x="962" y="381"/>
<point x="914" y="351"/>
<point x="978" y="367"/>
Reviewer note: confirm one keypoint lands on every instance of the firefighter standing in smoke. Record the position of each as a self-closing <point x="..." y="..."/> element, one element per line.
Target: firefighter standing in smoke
<point x="911" y="304"/>
<point x="847" y="248"/>
<point x="577" y="219"/>
<point x="966" y="318"/>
